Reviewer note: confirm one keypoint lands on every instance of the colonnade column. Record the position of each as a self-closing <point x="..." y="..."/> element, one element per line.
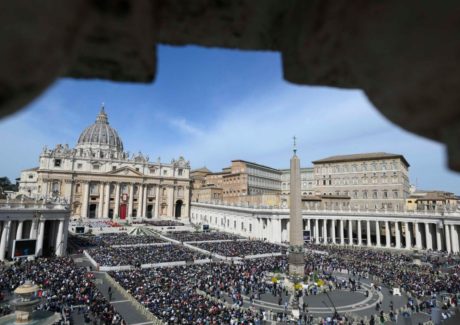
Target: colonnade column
<point x="100" y="207"/>
<point x="428" y="236"/>
<point x="41" y="236"/>
<point x="19" y="230"/>
<point x="59" y="237"/>
<point x="368" y="233"/>
<point x="5" y="231"/>
<point x="350" y="232"/>
<point x="342" y="235"/>
<point x="116" y="210"/>
<point x="33" y="229"/>
<point x="105" y="213"/>
<point x="438" y="238"/>
<point x="140" y="200"/>
<point x="418" y="236"/>
<point x="84" y="204"/>
<point x="325" y="231"/>
<point x="377" y="234"/>
<point x="454" y="237"/>
<point x="130" y="200"/>
<point x="360" y="237"/>
<point x="316" y="231"/>
<point x="333" y="231"/>
<point x="387" y="234"/>
<point x="397" y="235"/>
<point x="408" y="237"/>
<point x="447" y="230"/>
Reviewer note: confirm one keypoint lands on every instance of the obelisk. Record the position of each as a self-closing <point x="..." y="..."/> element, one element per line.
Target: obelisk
<point x="296" y="249"/>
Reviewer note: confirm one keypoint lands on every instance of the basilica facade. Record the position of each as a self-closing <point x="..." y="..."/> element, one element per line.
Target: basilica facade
<point x="100" y="180"/>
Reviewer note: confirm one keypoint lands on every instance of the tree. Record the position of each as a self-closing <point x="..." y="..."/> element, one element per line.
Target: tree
<point x="6" y="185"/>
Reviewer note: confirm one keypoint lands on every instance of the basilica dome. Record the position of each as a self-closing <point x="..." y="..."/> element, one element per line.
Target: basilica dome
<point x="100" y="135"/>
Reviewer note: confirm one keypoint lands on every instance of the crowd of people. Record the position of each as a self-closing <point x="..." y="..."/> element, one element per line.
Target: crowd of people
<point x="139" y="255"/>
<point x="187" y="236"/>
<point x="96" y="223"/>
<point x="63" y="285"/>
<point x="171" y="293"/>
<point x="162" y="223"/>
<point x="80" y="242"/>
<point x="393" y="269"/>
<point x="241" y="248"/>
<point x="125" y="239"/>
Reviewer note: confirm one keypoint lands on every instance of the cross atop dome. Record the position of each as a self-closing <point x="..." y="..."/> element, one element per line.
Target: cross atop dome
<point x="102" y="116"/>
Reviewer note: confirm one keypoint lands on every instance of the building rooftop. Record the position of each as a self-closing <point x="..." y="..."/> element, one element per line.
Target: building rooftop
<point x="257" y="165"/>
<point x="202" y="170"/>
<point x="362" y="157"/>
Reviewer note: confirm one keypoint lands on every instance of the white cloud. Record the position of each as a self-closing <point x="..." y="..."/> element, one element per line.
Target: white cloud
<point x="184" y="126"/>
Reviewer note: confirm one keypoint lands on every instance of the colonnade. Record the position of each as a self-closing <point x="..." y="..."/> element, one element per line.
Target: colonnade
<point x="54" y="243"/>
<point x="381" y="230"/>
<point x="399" y="234"/>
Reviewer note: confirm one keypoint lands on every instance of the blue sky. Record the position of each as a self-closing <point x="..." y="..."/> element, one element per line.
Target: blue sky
<point x="212" y="106"/>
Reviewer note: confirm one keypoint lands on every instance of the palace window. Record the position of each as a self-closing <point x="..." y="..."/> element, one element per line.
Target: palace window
<point x="55" y="186"/>
<point x="385" y="194"/>
<point x="57" y="162"/>
<point x="374" y="194"/>
<point x="96" y="167"/>
<point x="179" y="172"/>
<point x="79" y="166"/>
<point x="165" y="172"/>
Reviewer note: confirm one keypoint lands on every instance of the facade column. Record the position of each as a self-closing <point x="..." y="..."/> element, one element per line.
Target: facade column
<point x="157" y="202"/>
<point x="360" y="237"/>
<point x="140" y="200"/>
<point x="438" y="238"/>
<point x="41" y="236"/>
<point x="171" y="191"/>
<point x="387" y="234"/>
<point x="5" y="231"/>
<point x="19" y="230"/>
<point x="84" y="204"/>
<point x="59" y="237"/>
<point x="316" y="231"/>
<point x="144" y="205"/>
<point x="368" y="233"/>
<point x="350" y="232"/>
<point x="397" y="235"/>
<point x="418" y="236"/>
<point x="130" y="200"/>
<point x="105" y="213"/>
<point x="408" y="236"/>
<point x="116" y="210"/>
<point x="448" y="246"/>
<point x="428" y="236"/>
<point x="100" y="207"/>
<point x="455" y="238"/>
<point x="325" y="231"/>
<point x="377" y="234"/>
<point x="342" y="235"/>
<point x="307" y="227"/>
<point x="333" y="231"/>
